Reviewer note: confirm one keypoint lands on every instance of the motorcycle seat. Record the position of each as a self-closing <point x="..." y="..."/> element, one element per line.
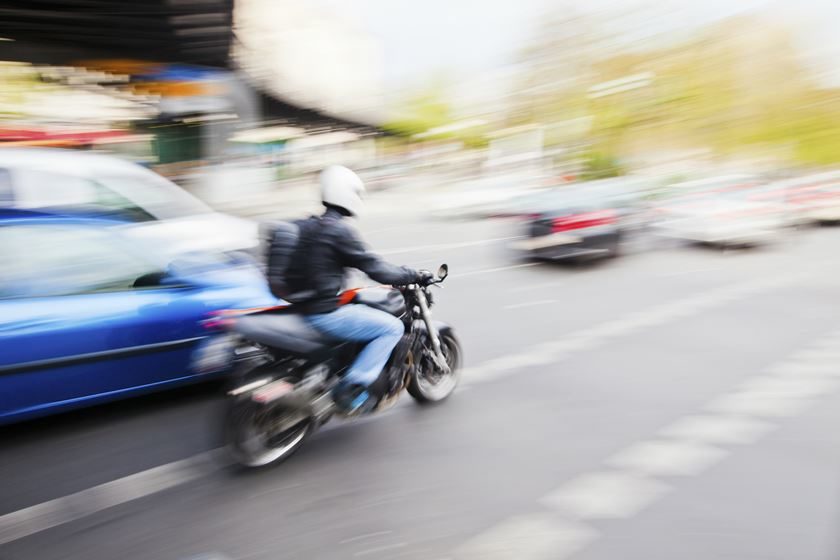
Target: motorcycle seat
<point x="285" y="331"/>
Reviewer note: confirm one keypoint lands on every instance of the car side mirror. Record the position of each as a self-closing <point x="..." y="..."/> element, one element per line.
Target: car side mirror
<point x="160" y="279"/>
<point x="443" y="271"/>
<point x="151" y="280"/>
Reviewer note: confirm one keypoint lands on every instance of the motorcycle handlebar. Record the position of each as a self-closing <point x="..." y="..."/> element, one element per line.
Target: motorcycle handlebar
<point x="442" y="273"/>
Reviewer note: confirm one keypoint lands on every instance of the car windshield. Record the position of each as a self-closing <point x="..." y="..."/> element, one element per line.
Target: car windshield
<point x="154" y="194"/>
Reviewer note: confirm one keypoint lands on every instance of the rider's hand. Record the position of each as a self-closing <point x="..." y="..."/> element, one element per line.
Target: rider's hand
<point x="424" y="277"/>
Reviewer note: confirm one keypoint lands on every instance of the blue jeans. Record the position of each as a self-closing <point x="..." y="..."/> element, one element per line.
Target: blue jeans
<point x="360" y="323"/>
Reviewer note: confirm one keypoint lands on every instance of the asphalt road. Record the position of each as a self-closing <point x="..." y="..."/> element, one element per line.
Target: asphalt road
<point x="675" y="403"/>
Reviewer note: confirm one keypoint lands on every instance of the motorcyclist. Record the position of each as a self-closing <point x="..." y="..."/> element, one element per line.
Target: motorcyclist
<point x="331" y="246"/>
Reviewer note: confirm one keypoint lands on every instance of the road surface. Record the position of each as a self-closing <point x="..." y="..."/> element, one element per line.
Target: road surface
<point x="675" y="403"/>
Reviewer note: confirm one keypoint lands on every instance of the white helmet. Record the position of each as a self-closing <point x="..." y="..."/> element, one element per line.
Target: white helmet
<point x="343" y="188"/>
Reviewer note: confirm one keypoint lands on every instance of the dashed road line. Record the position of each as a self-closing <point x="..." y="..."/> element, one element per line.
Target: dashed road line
<point x="40" y="517"/>
<point x="790" y="386"/>
<point x="605" y="495"/>
<point x="483" y="271"/>
<point x="759" y="404"/>
<point x="667" y="458"/>
<point x="533" y="287"/>
<point x="721" y="430"/>
<point x="37" y="518"/>
<point x="628" y="482"/>
<point x="378" y="549"/>
<point x="529" y="304"/>
<point x="528" y="537"/>
<point x="800" y="368"/>
<point x="366" y="536"/>
<point x="592" y="337"/>
<point x="827" y="354"/>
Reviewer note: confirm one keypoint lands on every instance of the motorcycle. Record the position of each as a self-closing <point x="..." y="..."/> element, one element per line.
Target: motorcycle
<point x="285" y="371"/>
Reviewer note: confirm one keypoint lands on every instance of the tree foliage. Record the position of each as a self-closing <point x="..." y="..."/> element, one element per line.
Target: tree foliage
<point x="736" y="85"/>
<point x="421" y="111"/>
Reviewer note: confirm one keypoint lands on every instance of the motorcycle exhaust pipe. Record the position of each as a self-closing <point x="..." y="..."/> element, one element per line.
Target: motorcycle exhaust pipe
<point x="298" y="396"/>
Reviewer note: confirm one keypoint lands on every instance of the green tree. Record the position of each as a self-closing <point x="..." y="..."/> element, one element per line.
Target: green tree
<point x="421" y="111"/>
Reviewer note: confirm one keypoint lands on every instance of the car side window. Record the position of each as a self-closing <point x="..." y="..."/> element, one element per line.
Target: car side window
<point x="119" y="205"/>
<point x="53" y="260"/>
<point x="43" y="189"/>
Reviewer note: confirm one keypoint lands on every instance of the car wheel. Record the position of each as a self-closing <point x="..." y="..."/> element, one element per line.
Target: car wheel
<point x="615" y="249"/>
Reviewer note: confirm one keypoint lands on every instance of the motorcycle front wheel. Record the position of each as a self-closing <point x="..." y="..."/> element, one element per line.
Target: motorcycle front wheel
<point x="429" y="384"/>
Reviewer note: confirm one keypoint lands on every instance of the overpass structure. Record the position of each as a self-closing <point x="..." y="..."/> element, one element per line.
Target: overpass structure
<point x="162" y="46"/>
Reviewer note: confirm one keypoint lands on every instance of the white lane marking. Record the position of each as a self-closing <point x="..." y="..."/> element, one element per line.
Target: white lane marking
<point x="828" y="342"/>
<point x="528" y="537"/>
<point x="31" y="520"/>
<point x="799" y="368"/>
<point x="492" y="270"/>
<point x="667" y="458"/>
<point x="447" y="246"/>
<point x="530" y="287"/>
<point x="719" y="430"/>
<point x="759" y="404"/>
<point x="592" y="337"/>
<point x="379" y="549"/>
<point x="480" y="374"/>
<point x="37" y="518"/>
<point x="365" y="537"/>
<point x="791" y="386"/>
<point x="605" y="495"/>
<point x="530" y="304"/>
<point x="682" y="449"/>
<point x="490" y="369"/>
<point x="819" y="355"/>
<point x="532" y="359"/>
<point x="505" y="362"/>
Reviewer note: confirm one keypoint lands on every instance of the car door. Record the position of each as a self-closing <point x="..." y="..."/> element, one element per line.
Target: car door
<point x="73" y="326"/>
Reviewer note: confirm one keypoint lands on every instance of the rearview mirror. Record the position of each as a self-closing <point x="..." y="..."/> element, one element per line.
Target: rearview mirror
<point x="443" y="271"/>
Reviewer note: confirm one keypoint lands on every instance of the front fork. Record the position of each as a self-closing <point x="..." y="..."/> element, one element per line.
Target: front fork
<point x="437" y="355"/>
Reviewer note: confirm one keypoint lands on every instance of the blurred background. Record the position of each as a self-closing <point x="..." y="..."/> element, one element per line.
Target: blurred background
<point x="634" y="198"/>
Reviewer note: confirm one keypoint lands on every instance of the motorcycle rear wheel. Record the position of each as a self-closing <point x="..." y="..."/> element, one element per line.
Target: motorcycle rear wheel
<point x="249" y="440"/>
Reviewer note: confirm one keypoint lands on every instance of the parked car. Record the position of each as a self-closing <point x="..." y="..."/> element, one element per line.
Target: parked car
<point x="809" y="199"/>
<point x="88" y="314"/>
<point x="582" y="220"/>
<point x="715" y="184"/>
<point x="728" y="217"/>
<point x="61" y="180"/>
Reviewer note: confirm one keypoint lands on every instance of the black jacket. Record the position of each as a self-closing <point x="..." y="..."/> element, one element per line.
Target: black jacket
<point x="331" y="246"/>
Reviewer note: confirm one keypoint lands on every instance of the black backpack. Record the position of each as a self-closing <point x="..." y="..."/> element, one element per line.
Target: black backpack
<point x="287" y="258"/>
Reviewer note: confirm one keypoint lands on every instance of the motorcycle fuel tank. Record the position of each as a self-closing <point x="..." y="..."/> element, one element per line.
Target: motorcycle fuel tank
<point x="389" y="300"/>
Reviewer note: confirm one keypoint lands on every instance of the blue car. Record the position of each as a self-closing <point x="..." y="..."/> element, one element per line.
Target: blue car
<point x="88" y="314"/>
